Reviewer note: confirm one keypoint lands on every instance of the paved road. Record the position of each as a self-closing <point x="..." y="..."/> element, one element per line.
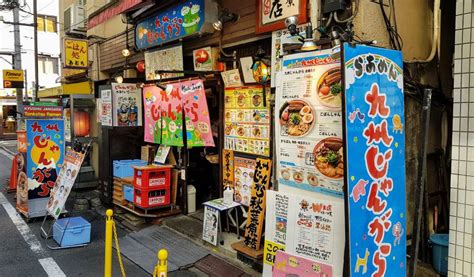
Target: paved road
<point x="24" y="253"/>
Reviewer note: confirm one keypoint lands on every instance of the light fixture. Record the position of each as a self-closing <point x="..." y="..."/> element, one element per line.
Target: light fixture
<point x="309" y="44"/>
<point x="168" y="88"/>
<point x="119" y="79"/>
<point x="125" y="52"/>
<point x="291" y="23"/>
<point x="225" y="17"/>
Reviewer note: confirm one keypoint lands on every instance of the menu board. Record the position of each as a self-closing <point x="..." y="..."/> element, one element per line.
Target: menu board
<point x="210" y="226"/>
<point x="375" y="124"/>
<point x="247" y="120"/>
<point x="243" y="176"/>
<point x="309" y="123"/>
<point x="127" y="104"/>
<point x="170" y="58"/>
<point x="307" y="227"/>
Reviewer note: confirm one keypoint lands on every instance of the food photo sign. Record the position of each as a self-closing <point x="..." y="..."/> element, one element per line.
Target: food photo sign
<point x="308" y="129"/>
<point x="375" y="145"/>
<point x="247" y="120"/>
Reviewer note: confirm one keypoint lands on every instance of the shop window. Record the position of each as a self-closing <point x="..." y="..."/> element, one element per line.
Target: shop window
<point x="48" y="65"/>
<point x="47" y="23"/>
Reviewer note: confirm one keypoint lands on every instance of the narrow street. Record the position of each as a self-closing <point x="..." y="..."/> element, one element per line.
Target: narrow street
<point x="25" y="252"/>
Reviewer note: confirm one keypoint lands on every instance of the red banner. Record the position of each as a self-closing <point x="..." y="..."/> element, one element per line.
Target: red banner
<point x="110" y="12"/>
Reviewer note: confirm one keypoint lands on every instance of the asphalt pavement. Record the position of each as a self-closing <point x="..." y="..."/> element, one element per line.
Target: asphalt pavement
<point x="23" y="252"/>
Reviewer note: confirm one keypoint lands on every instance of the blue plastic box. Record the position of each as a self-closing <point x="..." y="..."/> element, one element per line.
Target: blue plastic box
<point x="439" y="242"/>
<point x="72" y="231"/>
<point x="127" y="193"/>
<point x="124" y="168"/>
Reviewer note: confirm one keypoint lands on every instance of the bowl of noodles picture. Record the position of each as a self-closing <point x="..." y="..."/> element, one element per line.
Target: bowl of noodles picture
<point x="329" y="158"/>
<point x="329" y="89"/>
<point x="296" y="118"/>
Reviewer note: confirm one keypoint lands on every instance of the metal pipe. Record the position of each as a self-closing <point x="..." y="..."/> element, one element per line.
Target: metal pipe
<point x="17" y="56"/>
<point x="420" y="191"/>
<point x="35" y="23"/>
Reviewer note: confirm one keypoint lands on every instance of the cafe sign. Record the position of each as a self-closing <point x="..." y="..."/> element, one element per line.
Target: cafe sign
<point x="13" y="78"/>
<point x="76" y="53"/>
<point x="192" y="17"/>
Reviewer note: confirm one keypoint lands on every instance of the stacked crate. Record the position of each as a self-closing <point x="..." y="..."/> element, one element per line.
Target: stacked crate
<point x="152" y="186"/>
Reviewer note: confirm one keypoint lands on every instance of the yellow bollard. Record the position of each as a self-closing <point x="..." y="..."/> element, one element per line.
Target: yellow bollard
<point x="161" y="268"/>
<point x="108" y="243"/>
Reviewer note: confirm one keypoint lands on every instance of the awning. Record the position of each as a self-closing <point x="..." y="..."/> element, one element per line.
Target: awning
<point x="111" y="11"/>
<point x="67" y="89"/>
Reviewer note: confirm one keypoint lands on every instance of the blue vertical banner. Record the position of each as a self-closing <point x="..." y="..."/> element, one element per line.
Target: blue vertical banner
<point x="375" y="143"/>
<point x="45" y="154"/>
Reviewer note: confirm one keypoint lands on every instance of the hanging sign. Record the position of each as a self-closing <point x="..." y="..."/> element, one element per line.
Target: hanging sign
<point x="247" y="120"/>
<point x="243" y="177"/>
<point x="44" y="157"/>
<point x="228" y="168"/>
<point x="271" y="14"/>
<point x="374" y="110"/>
<point x="306" y="227"/>
<point x="309" y="123"/>
<point x="106" y="111"/>
<point x="127" y="105"/>
<point x="170" y="58"/>
<point x="42" y="111"/>
<point x="64" y="182"/>
<point x="76" y="53"/>
<point x="176" y="22"/>
<point x="256" y="214"/>
<point x="152" y="102"/>
<point x="13" y="78"/>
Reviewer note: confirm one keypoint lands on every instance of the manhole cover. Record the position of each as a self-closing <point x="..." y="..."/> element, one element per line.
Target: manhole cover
<point x="217" y="267"/>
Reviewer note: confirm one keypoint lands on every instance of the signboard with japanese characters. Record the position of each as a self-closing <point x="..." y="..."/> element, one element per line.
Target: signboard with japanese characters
<point x="185" y="19"/>
<point x="271" y="14"/>
<point x="375" y="145"/>
<point x="306" y="227"/>
<point x="64" y="182"/>
<point x="127" y="105"/>
<point x="228" y="168"/>
<point x="308" y="131"/>
<point x="256" y="214"/>
<point x="247" y="120"/>
<point x="76" y="53"/>
<point x="170" y="59"/>
<point x="43" y="111"/>
<point x="44" y="158"/>
<point x="106" y="111"/>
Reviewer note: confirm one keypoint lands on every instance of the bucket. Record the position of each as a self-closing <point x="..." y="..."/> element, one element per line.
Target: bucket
<point x="439" y="244"/>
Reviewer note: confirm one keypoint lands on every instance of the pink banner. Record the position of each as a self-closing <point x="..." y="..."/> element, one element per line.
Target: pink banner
<point x="152" y="108"/>
<point x="290" y="265"/>
<point x="198" y="127"/>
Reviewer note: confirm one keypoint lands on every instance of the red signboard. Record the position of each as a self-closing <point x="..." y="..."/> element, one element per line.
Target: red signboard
<point x="105" y="15"/>
<point x="43" y="111"/>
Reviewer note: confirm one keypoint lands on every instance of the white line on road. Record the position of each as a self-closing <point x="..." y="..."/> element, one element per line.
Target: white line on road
<point x="49" y="265"/>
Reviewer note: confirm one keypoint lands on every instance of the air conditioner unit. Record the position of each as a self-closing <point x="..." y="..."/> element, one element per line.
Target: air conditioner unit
<point x="75" y="20"/>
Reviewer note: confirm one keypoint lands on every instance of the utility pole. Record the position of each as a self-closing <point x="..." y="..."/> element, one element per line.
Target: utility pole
<point x="17" y="55"/>
<point x="35" y="22"/>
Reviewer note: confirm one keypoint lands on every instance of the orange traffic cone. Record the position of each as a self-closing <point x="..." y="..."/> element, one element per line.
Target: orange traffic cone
<point x="13" y="175"/>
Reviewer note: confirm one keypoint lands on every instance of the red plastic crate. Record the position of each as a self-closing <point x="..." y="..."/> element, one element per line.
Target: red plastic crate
<point x="151" y="177"/>
<point x="145" y="198"/>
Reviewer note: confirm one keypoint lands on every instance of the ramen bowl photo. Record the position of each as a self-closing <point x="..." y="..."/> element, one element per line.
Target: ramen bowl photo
<point x="329" y="160"/>
<point x="285" y="174"/>
<point x="329" y="89"/>
<point x="296" y="118"/>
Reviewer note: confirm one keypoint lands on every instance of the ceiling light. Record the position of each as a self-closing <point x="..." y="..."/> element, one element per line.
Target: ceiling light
<point x="217" y="25"/>
<point x="119" y="79"/>
<point x="125" y="52"/>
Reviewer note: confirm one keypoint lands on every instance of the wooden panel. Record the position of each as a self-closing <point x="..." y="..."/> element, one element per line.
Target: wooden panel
<point x="111" y="52"/>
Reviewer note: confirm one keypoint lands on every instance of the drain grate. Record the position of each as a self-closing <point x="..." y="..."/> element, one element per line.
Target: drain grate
<point x="213" y="266"/>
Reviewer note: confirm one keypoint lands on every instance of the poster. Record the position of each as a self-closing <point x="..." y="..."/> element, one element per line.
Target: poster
<point x="106" y="111"/>
<point x="305" y="227"/>
<point x="198" y="124"/>
<point x="206" y="59"/>
<point x="247" y="120"/>
<point x="375" y="125"/>
<point x="170" y="58"/>
<point x="64" y="182"/>
<point x="127" y="105"/>
<point x="243" y="177"/>
<point x="22" y="179"/>
<point x="162" y="154"/>
<point x="246" y="64"/>
<point x="280" y="40"/>
<point x="45" y="154"/>
<point x="231" y="78"/>
<point x="309" y="123"/>
<point x="292" y="265"/>
<point x="256" y="213"/>
<point x="210" y="227"/>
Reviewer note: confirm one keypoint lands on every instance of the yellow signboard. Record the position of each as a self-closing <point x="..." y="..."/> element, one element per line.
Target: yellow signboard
<point x="76" y="53"/>
<point x="13" y="78"/>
